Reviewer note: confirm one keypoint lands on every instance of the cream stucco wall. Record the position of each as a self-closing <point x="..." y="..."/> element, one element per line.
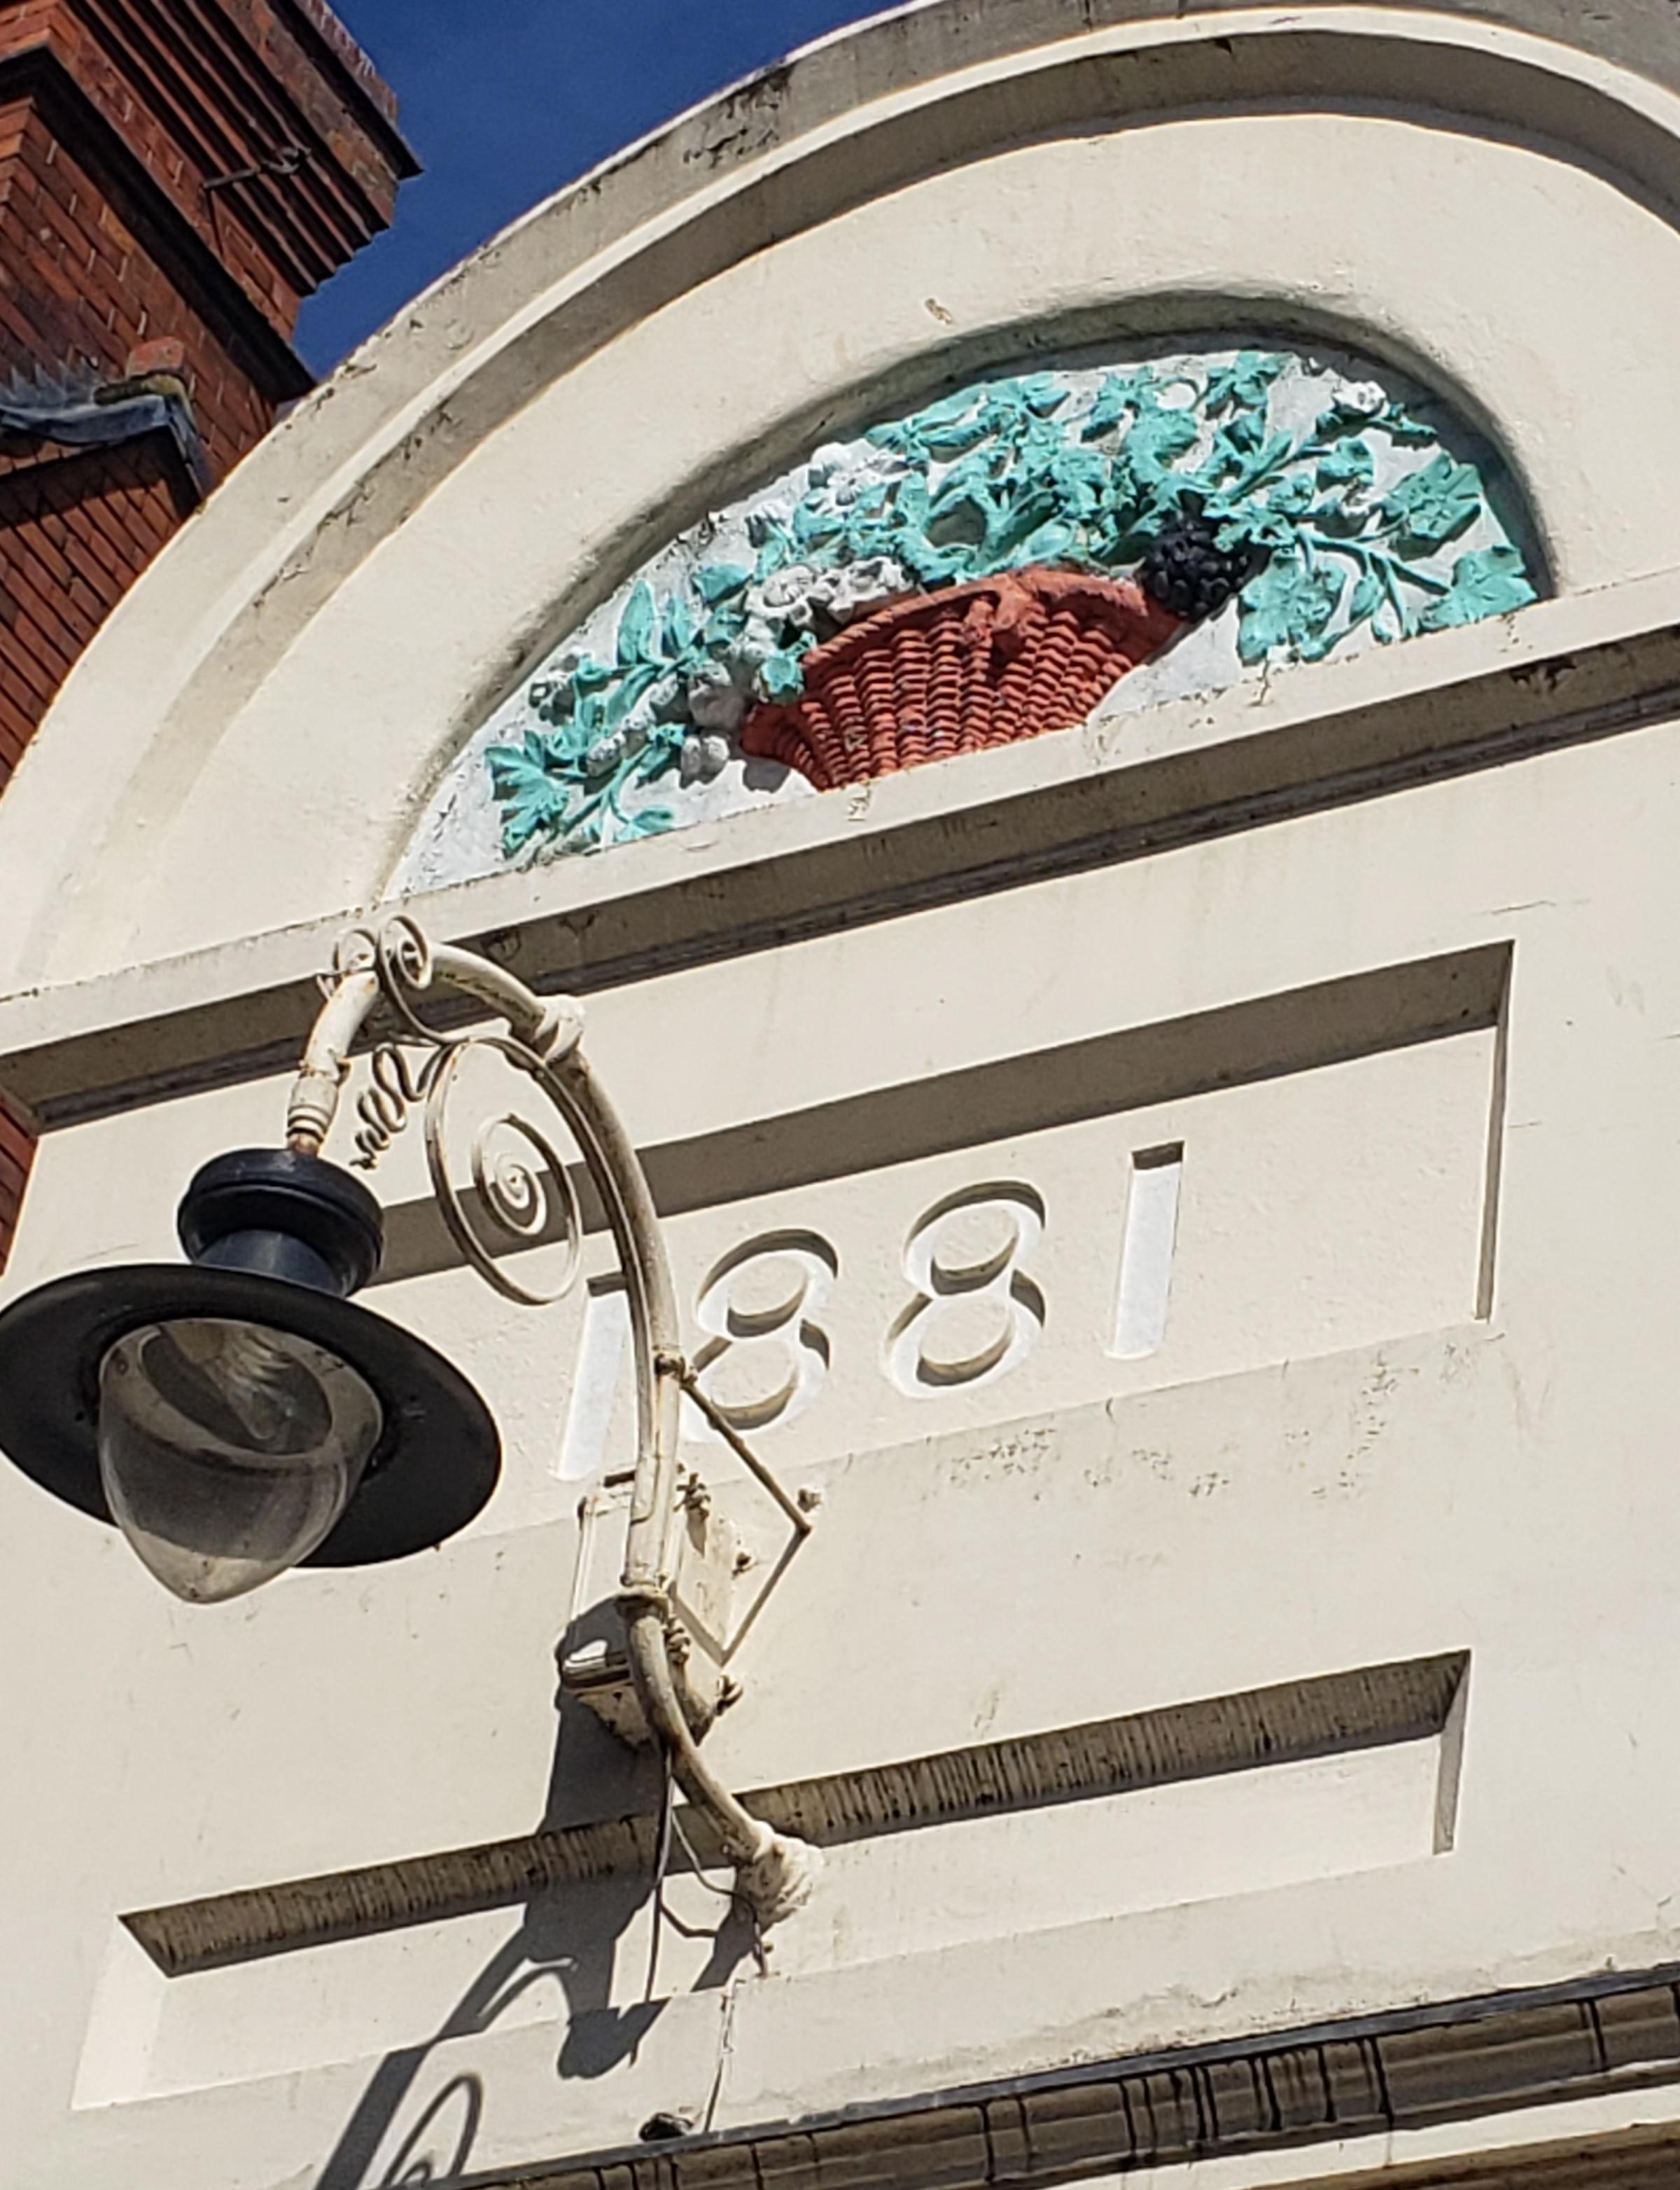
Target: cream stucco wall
<point x="1385" y="947"/>
<point x="1449" y="1480"/>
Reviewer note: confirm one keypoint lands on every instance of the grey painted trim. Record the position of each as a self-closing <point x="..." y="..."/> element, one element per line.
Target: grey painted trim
<point x="105" y="418"/>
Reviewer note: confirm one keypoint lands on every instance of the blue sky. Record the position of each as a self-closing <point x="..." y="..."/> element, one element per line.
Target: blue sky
<point x="504" y="102"/>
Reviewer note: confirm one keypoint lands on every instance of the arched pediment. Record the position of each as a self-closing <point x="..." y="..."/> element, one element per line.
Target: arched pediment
<point x="1477" y="202"/>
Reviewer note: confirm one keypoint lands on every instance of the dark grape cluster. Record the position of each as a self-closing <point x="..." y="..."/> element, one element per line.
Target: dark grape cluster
<point x="1187" y="571"/>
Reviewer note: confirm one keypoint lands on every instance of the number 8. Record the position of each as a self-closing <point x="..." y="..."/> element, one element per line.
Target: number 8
<point x="767" y="1359"/>
<point x="976" y="1314"/>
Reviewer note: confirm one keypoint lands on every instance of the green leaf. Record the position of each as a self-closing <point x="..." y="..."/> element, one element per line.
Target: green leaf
<point x="1368" y="597"/>
<point x="944" y="428"/>
<point x="1244" y="383"/>
<point x="811" y="525"/>
<point x="1116" y="398"/>
<point x="1254" y="523"/>
<point x="632" y="686"/>
<point x="781" y="677"/>
<point x="1157" y="437"/>
<point x="715" y="581"/>
<point x="772" y="554"/>
<point x="1040" y="392"/>
<point x="1078" y="478"/>
<point x="1290" y="497"/>
<point x="1488" y="582"/>
<point x="562" y="745"/>
<point x="533" y="804"/>
<point x="1288" y="606"/>
<point x="515" y="770"/>
<point x="1431" y="504"/>
<point x="720" y="629"/>
<point x="680" y="628"/>
<point x="636" y="627"/>
<point x="1244" y="434"/>
<point x="661" y="750"/>
<point x="1050" y="542"/>
<point x="909" y="499"/>
<point x="1352" y="464"/>
<point x="897" y="437"/>
<point x="1347" y="415"/>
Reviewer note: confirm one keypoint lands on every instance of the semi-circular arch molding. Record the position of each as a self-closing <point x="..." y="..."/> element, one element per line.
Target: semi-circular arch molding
<point x="298" y="667"/>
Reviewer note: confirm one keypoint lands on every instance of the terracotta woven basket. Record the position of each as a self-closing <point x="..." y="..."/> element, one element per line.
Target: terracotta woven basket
<point x="979" y="664"/>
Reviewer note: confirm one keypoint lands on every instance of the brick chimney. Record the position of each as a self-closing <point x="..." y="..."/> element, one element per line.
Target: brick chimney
<point x="176" y="176"/>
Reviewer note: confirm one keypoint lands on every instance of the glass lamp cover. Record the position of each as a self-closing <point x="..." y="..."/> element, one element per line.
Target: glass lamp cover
<point x="228" y="1450"/>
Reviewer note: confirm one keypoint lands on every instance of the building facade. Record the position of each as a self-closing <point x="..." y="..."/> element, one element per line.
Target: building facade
<point x="1061" y="621"/>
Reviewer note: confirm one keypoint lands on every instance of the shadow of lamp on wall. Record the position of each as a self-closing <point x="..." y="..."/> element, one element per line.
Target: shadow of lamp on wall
<point x="238" y="1414"/>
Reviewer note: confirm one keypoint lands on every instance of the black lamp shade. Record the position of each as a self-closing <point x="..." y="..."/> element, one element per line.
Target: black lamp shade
<point x="253" y="1218"/>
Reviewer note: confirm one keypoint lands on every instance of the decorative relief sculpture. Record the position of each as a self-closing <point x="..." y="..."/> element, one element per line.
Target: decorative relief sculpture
<point x="982" y="569"/>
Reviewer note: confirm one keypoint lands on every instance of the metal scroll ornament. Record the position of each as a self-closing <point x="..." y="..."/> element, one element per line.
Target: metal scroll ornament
<point x="523" y="1194"/>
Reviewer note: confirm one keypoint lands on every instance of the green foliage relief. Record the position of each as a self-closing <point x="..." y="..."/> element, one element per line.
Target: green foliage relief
<point x="1353" y="520"/>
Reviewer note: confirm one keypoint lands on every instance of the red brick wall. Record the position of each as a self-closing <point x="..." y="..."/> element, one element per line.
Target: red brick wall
<point x="17" y="1150"/>
<point x="76" y="530"/>
<point x="197" y="90"/>
<point x="78" y="288"/>
<point x="139" y="207"/>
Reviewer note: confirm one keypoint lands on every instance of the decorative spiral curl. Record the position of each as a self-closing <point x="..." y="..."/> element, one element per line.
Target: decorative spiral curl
<point x="522" y="1191"/>
<point x="522" y="1184"/>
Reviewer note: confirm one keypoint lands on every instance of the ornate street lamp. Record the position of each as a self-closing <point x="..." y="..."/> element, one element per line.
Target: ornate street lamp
<point x="237" y="1415"/>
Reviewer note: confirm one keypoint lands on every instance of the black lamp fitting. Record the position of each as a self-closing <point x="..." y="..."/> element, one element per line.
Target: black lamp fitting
<point x="274" y="1213"/>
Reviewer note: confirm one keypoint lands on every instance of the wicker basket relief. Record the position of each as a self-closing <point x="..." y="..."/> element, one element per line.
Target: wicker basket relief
<point x="976" y="664"/>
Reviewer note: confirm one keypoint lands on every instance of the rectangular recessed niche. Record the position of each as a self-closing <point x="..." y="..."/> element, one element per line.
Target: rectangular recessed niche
<point x="1231" y="1795"/>
<point x="1104" y="1075"/>
<point x="1279" y="1178"/>
<point x="1146" y="1252"/>
<point x="601" y="1354"/>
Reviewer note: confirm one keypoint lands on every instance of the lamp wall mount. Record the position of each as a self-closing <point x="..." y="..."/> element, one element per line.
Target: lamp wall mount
<point x="524" y="1190"/>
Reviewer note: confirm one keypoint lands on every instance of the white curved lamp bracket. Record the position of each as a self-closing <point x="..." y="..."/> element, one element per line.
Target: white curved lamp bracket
<point x="541" y="1038"/>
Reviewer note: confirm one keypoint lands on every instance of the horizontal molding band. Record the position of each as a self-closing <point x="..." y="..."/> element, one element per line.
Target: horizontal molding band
<point x="1407" y="1700"/>
<point x="1369" y="2077"/>
<point x="239" y="1012"/>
